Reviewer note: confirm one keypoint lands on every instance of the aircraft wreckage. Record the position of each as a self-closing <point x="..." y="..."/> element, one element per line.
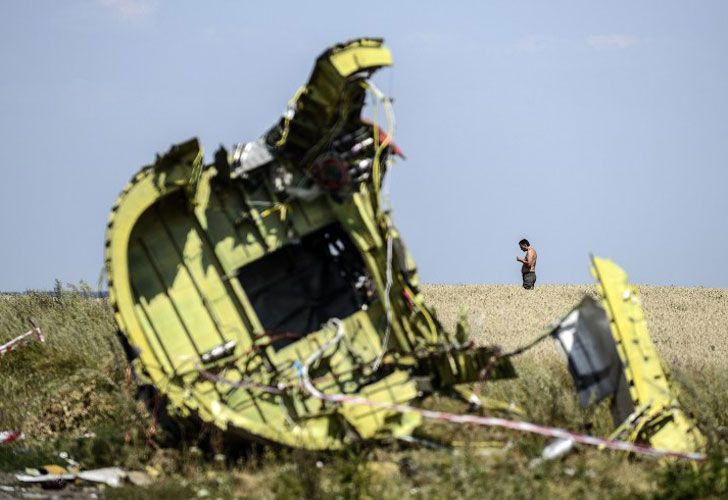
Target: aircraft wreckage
<point x="269" y="294"/>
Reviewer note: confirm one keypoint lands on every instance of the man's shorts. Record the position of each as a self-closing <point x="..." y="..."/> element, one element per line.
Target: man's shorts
<point x="529" y="279"/>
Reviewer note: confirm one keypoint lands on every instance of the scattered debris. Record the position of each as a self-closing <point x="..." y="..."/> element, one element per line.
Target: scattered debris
<point x="152" y="472"/>
<point x="70" y="461"/>
<point x="7" y="437"/>
<point x="55" y="476"/>
<point x="50" y="469"/>
<point x="557" y="448"/>
<point x="138" y="478"/>
<point x="50" y="481"/>
<point x="111" y="476"/>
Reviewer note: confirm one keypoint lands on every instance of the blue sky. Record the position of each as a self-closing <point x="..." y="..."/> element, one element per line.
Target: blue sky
<point x="585" y="126"/>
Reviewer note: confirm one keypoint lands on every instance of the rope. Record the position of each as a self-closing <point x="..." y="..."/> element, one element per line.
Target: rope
<point x="524" y="348"/>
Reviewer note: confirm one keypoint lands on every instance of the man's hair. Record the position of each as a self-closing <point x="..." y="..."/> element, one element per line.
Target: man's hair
<point x="524" y="242"/>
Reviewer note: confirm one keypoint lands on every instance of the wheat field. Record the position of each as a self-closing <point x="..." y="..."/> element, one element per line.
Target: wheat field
<point x="689" y="325"/>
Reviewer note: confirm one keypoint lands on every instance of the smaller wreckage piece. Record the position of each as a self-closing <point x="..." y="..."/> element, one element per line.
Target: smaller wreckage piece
<point x="224" y="276"/>
<point x="611" y="354"/>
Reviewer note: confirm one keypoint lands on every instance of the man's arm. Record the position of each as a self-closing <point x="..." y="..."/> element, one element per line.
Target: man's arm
<point x="528" y="260"/>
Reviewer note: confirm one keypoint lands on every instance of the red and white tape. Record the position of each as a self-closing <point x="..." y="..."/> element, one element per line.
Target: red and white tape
<point x="10" y="436"/>
<point x="515" y="425"/>
<point x="21" y="339"/>
<point x="7" y="437"/>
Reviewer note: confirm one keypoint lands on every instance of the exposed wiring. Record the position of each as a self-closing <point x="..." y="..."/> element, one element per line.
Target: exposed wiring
<point x="387" y="302"/>
<point x="381" y="100"/>
<point x="524" y="348"/>
<point x="289" y="114"/>
<point x="385" y="102"/>
<point x="240" y="384"/>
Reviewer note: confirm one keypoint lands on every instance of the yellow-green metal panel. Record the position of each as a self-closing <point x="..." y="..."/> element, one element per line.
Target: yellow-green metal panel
<point x="664" y="423"/>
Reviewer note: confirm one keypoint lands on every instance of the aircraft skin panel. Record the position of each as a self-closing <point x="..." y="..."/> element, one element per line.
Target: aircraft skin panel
<point x="163" y="359"/>
<point x="178" y="297"/>
<point x="201" y="264"/>
<point x="664" y="422"/>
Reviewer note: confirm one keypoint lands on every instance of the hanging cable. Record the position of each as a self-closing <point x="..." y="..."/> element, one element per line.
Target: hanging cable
<point x="289" y="114"/>
<point x="387" y="301"/>
<point x="380" y="100"/>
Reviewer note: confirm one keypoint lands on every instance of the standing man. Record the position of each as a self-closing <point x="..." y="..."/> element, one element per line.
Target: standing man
<point x="528" y="269"/>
